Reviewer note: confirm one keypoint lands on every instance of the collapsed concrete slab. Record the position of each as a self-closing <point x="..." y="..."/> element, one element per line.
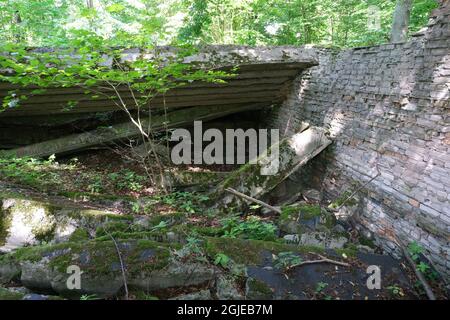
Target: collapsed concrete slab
<point x="293" y="152"/>
<point x="261" y="76"/>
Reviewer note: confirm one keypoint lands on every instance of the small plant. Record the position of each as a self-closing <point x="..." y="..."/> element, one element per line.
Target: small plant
<point x="96" y="184"/>
<point x="135" y="207"/>
<point x="192" y="250"/>
<point x="86" y="297"/>
<point x="423" y="267"/>
<point x="252" y="228"/>
<point x="189" y="202"/>
<point x="320" y="287"/>
<point x="222" y="260"/>
<point x="127" y="180"/>
<point x="286" y="260"/>
<point x="415" y="250"/>
<point x="396" y="291"/>
<point x="160" y="226"/>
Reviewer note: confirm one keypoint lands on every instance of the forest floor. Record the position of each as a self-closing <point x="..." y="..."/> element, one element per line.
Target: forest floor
<point x="101" y="213"/>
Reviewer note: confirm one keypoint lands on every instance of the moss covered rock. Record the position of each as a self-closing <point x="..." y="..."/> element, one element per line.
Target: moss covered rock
<point x="300" y="218"/>
<point x="148" y="265"/>
<point x="26" y="222"/>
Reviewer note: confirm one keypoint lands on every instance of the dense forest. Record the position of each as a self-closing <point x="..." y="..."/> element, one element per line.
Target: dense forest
<point x="338" y="23"/>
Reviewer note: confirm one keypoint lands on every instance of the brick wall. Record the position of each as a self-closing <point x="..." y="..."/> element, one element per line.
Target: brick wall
<point x="388" y="110"/>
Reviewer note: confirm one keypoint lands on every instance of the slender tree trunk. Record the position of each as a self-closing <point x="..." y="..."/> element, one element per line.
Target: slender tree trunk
<point x="400" y="22"/>
<point x="17" y="21"/>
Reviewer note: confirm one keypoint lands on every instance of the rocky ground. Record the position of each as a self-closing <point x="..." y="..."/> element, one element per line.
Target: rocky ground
<point x="132" y="242"/>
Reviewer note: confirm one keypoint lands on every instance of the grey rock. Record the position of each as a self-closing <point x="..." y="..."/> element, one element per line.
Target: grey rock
<point x="291" y="238"/>
<point x="339" y="228"/>
<point x="9" y="271"/>
<point x="313" y="194"/>
<point x="267" y="211"/>
<point x="177" y="274"/>
<point x="365" y="249"/>
<point x="344" y="213"/>
<point x="322" y="239"/>
<point x="257" y="290"/>
<point x="200" y="295"/>
<point x="226" y="289"/>
<point x="36" y="296"/>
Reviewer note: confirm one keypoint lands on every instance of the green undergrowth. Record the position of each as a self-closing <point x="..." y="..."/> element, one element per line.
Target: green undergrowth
<point x="6" y="294"/>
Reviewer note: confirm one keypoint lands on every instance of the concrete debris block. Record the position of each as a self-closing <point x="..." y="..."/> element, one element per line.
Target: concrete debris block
<point x="273" y="167"/>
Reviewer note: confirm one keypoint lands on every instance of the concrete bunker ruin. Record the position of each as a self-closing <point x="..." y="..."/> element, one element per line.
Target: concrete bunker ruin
<point x="386" y="109"/>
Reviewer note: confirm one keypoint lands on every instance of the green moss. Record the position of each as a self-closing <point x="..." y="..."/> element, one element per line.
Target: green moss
<point x="250" y="252"/>
<point x="308" y="212"/>
<point x="305" y="212"/>
<point x="79" y="234"/>
<point x="45" y="234"/>
<point x="112" y="227"/>
<point x="208" y="231"/>
<point x="139" y="235"/>
<point x="103" y="255"/>
<point x="141" y="295"/>
<point x="176" y="217"/>
<point x="6" y="294"/>
<point x="258" y="290"/>
<point x="25" y="254"/>
<point x="75" y="195"/>
<point x="55" y="298"/>
<point x="367" y="242"/>
<point x="5" y="225"/>
<point x="350" y="250"/>
<point x="98" y="215"/>
<point x="340" y="200"/>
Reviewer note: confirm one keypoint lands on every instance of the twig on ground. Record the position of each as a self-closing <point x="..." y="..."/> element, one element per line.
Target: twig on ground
<point x="122" y="266"/>
<point x="246" y="197"/>
<point x="322" y="260"/>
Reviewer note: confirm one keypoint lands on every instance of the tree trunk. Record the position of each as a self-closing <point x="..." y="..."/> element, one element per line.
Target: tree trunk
<point x="400" y="22"/>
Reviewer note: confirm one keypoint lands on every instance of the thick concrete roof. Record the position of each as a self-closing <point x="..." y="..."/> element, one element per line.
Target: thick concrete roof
<point x="263" y="76"/>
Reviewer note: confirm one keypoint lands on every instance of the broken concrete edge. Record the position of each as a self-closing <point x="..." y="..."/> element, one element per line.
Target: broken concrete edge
<point x="217" y="56"/>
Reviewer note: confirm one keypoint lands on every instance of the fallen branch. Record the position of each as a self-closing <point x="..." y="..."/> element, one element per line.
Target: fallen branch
<point x="246" y="197"/>
<point x="322" y="260"/>
<point x="419" y="274"/>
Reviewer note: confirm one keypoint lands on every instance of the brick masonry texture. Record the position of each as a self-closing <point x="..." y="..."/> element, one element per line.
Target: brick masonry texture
<point x="387" y="108"/>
